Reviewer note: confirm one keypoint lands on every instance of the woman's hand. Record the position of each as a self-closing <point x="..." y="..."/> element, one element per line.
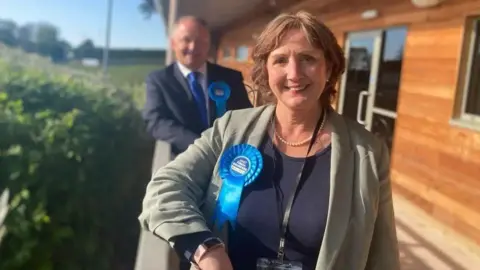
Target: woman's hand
<point x="216" y="259"/>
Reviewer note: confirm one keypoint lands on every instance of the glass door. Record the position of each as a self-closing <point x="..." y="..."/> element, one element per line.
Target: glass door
<point x="359" y="81"/>
<point x="370" y="85"/>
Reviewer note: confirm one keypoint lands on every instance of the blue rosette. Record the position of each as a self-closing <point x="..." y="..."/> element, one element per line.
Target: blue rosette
<point x="219" y="92"/>
<point x="239" y="166"/>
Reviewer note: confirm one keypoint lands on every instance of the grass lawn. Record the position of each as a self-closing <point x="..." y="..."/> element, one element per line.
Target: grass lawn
<point x="133" y="74"/>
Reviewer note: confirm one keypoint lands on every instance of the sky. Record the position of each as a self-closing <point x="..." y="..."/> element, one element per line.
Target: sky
<point x="78" y="20"/>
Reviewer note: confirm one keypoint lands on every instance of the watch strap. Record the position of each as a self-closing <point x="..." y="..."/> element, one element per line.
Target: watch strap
<point x="208" y="245"/>
<point x="185" y="245"/>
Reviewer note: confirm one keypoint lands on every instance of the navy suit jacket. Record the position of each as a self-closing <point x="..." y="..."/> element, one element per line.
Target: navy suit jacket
<point x="170" y="110"/>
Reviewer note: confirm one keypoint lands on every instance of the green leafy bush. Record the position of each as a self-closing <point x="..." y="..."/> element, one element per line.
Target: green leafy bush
<point x="75" y="159"/>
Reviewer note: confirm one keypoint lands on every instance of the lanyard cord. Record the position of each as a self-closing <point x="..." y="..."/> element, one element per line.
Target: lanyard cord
<point x="288" y="209"/>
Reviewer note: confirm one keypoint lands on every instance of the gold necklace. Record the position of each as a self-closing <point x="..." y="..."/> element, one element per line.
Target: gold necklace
<point x="296" y="144"/>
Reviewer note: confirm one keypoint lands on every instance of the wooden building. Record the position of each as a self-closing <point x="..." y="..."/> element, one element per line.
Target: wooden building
<point x="413" y="78"/>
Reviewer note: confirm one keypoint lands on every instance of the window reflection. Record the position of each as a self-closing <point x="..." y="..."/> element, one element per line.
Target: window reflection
<point x="360" y="54"/>
<point x="358" y="74"/>
<point x="473" y="100"/>
<point x="390" y="68"/>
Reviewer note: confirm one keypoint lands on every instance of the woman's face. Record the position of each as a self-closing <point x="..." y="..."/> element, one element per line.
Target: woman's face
<point x="297" y="72"/>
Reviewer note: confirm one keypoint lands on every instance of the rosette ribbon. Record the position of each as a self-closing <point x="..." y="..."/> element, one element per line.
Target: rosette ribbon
<point x="239" y="166"/>
<point x="219" y="92"/>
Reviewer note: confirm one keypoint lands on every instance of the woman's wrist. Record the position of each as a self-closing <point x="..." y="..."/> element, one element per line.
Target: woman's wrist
<point x="186" y="245"/>
<point x="207" y="246"/>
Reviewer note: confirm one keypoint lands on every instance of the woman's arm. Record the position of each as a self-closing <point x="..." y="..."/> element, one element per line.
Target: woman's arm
<point x="384" y="247"/>
<point x="173" y="196"/>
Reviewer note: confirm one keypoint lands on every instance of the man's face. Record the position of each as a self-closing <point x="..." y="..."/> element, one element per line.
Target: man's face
<point x="191" y="44"/>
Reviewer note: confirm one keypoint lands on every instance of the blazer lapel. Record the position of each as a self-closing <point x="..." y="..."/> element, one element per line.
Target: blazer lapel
<point x="189" y="108"/>
<point x="253" y="134"/>
<point x="259" y="128"/>
<point x="182" y="81"/>
<point x="341" y="185"/>
<point x="341" y="180"/>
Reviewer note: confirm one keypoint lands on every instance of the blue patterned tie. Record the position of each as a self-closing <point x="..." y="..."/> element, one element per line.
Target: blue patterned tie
<point x="199" y="95"/>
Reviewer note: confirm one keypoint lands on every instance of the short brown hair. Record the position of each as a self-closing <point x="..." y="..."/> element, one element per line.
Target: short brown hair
<point x="319" y="36"/>
<point x="198" y="20"/>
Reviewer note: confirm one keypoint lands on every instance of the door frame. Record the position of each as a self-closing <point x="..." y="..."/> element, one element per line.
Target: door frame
<point x="367" y="95"/>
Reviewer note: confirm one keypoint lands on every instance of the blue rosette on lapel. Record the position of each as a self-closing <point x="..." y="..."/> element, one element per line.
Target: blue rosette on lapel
<point x="239" y="166"/>
<point x="219" y="92"/>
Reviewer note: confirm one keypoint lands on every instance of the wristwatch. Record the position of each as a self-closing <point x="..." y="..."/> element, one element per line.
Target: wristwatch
<point x="207" y="245"/>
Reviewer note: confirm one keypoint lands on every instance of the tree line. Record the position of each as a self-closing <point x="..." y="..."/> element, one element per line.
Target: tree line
<point x="41" y="38"/>
<point x="44" y="39"/>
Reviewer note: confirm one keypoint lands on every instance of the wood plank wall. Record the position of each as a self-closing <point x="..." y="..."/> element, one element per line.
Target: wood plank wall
<point x="434" y="164"/>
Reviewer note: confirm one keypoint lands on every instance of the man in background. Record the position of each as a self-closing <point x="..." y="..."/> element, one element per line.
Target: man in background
<point x="178" y="108"/>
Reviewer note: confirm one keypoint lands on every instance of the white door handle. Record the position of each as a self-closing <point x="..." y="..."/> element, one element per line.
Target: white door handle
<point x="361" y="98"/>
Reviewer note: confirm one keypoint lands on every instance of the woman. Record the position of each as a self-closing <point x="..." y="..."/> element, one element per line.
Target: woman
<point x="317" y="192"/>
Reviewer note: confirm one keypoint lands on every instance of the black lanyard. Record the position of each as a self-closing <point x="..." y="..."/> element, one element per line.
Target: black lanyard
<point x="288" y="209"/>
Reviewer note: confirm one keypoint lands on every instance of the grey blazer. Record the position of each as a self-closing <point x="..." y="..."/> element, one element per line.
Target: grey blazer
<point x="360" y="231"/>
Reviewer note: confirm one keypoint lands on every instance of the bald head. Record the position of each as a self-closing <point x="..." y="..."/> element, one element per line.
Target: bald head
<point x="190" y="41"/>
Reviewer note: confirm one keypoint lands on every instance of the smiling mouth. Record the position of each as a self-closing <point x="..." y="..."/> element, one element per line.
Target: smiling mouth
<point x="297" y="88"/>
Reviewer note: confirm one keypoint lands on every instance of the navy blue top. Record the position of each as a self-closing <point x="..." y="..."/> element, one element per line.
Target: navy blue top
<point x="259" y="217"/>
<point x="261" y="210"/>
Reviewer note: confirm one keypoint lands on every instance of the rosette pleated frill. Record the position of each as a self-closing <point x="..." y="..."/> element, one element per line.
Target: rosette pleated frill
<point x="239" y="166"/>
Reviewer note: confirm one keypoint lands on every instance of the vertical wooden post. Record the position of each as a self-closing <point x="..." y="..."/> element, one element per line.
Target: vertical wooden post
<point x="172" y="18"/>
<point x="154" y="253"/>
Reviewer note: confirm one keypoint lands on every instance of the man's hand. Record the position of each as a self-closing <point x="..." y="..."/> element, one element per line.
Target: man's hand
<point x="216" y="259"/>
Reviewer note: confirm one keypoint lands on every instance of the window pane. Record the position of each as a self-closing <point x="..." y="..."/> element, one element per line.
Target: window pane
<point x="390" y="69"/>
<point x="473" y="99"/>
<point x="359" y="68"/>
<point x="242" y="53"/>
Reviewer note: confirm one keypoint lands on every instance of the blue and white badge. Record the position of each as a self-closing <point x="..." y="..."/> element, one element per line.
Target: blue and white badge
<point x="239" y="166"/>
<point x="219" y="92"/>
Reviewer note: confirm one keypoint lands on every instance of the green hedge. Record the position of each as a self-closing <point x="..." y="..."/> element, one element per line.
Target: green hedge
<point x="75" y="159"/>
